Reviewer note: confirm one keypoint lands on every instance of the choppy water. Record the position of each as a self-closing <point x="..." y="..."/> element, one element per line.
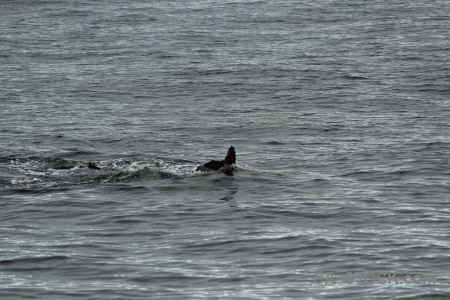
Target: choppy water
<point x="339" y="112"/>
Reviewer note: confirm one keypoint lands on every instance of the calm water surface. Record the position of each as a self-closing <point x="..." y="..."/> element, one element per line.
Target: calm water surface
<point x="339" y="112"/>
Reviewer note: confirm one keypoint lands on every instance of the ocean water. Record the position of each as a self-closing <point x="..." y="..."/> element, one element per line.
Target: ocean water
<point x="339" y="112"/>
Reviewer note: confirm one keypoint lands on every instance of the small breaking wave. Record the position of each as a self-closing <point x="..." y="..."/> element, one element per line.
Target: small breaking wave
<point x="39" y="172"/>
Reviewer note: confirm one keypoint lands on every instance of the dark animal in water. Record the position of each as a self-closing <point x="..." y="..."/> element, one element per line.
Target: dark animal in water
<point x="213" y="165"/>
<point x="216" y="165"/>
<point x="92" y="166"/>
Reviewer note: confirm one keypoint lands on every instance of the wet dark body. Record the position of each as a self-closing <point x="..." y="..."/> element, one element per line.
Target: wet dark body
<point x="216" y="165"/>
<point x="93" y="166"/>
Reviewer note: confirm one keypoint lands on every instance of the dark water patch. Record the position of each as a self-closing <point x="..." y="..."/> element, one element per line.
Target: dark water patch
<point x="33" y="264"/>
<point x="355" y="77"/>
<point x="59" y="204"/>
<point x="284" y="250"/>
<point x="436" y="145"/>
<point x="274" y="143"/>
<point x="320" y="180"/>
<point x="168" y="278"/>
<point x="28" y="191"/>
<point x="74" y="152"/>
<point x="109" y="141"/>
<point x="402" y="172"/>
<point x="12" y="131"/>
<point x="371" y="200"/>
<point x="167" y="56"/>
<point x="330" y="129"/>
<point x="130" y="221"/>
<point x="132" y="19"/>
<point x="105" y="234"/>
<point x="319" y="246"/>
<point x="33" y="259"/>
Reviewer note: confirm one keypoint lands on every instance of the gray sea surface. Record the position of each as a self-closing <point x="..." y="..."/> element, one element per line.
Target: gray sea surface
<point x="339" y="112"/>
